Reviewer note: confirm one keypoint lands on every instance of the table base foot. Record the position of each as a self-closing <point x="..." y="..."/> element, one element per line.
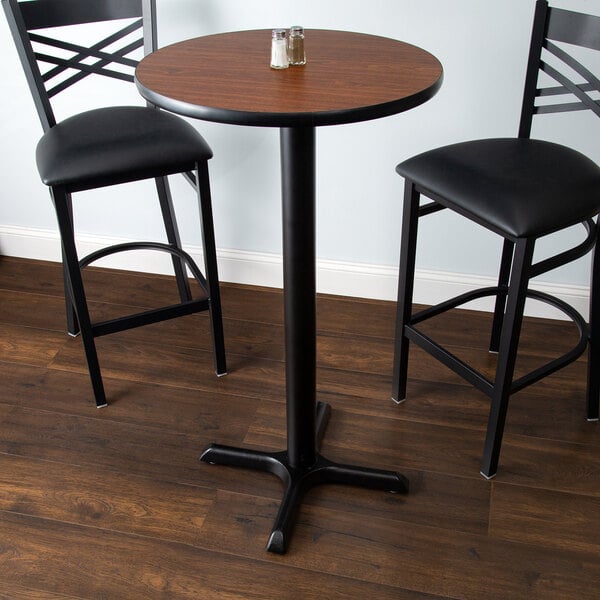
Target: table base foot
<point x="300" y="479"/>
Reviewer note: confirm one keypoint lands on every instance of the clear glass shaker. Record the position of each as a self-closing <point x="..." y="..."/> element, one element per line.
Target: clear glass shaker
<point x="279" y="57"/>
<point x="296" y="54"/>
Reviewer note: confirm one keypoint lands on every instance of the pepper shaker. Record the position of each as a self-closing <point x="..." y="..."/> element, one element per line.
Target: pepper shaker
<point x="296" y="54"/>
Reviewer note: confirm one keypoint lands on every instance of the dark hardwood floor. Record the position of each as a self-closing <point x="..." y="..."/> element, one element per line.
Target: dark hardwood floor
<point x="114" y="503"/>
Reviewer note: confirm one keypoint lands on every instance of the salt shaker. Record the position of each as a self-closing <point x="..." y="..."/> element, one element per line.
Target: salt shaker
<point x="296" y="54"/>
<point x="279" y="56"/>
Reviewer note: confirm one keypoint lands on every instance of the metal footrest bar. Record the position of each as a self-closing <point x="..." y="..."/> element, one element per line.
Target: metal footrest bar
<point x="128" y="246"/>
<point x="461" y="368"/>
<point x="475" y="377"/>
<point x="155" y="315"/>
<point x="442" y="307"/>
<point x="565" y="359"/>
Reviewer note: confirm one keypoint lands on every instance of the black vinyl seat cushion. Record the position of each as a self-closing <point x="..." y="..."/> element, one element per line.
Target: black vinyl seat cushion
<point x="114" y="145"/>
<point x="517" y="187"/>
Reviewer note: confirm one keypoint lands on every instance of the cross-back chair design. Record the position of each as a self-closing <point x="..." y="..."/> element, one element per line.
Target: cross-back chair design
<point x="109" y="146"/>
<point x="522" y="189"/>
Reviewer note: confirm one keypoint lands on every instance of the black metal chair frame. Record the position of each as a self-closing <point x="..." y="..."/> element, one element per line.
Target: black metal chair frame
<point x="25" y="19"/>
<point x="516" y="265"/>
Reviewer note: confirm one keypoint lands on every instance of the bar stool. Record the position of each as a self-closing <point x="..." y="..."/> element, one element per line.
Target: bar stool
<point x="108" y="146"/>
<point x="521" y="189"/>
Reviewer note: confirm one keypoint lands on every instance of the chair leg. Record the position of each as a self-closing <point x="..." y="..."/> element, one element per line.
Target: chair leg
<point x="507" y="355"/>
<point x="210" y="265"/>
<point x="168" y="214"/>
<point x="593" y="377"/>
<point x="72" y="324"/>
<point x="406" y="277"/>
<point x="76" y="290"/>
<point x="500" y="307"/>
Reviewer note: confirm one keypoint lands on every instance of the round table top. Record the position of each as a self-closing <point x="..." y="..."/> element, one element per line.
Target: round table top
<point x="348" y="77"/>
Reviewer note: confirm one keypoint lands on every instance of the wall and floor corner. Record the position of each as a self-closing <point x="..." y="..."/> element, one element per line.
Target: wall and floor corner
<point x="483" y="49"/>
<point x="265" y="269"/>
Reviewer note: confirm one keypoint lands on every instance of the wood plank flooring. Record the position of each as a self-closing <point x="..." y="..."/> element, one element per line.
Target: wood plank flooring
<point x="114" y="503"/>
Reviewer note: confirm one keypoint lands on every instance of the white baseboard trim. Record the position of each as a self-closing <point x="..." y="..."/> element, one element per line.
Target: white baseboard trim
<point x="263" y="269"/>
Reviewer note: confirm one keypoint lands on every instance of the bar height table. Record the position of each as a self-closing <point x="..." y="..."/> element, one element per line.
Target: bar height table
<point x="349" y="77"/>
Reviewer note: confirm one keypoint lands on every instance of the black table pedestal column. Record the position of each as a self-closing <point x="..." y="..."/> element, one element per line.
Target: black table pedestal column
<point x="300" y="466"/>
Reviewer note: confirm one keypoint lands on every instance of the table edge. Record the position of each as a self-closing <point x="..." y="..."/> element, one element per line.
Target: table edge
<point x="308" y="119"/>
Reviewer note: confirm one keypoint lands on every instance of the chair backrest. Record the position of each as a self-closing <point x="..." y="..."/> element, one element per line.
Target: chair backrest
<point x="52" y="65"/>
<point x="551" y="25"/>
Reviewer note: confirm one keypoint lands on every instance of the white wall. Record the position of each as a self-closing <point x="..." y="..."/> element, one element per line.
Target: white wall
<point x="482" y="46"/>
